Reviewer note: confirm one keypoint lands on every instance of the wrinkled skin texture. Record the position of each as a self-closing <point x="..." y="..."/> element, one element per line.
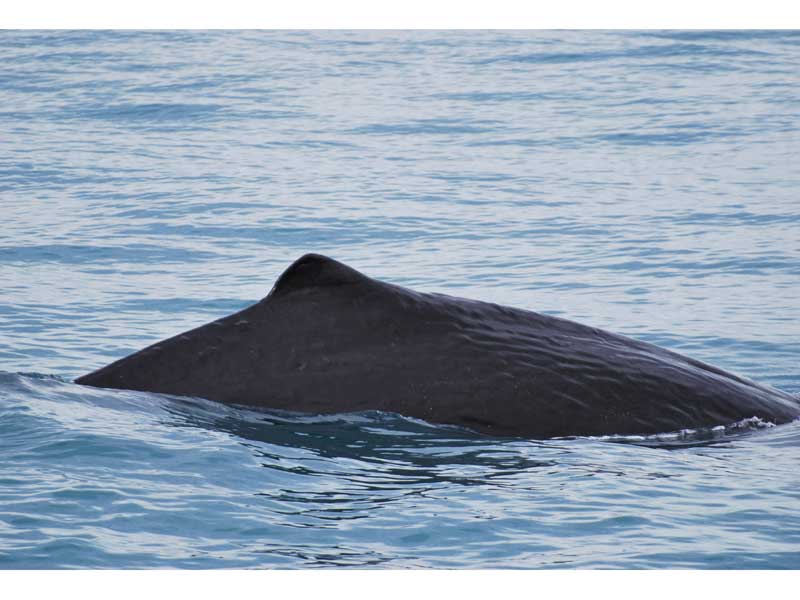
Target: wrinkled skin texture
<point x="328" y="339"/>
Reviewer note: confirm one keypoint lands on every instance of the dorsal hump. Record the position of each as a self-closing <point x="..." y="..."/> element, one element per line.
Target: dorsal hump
<point x="314" y="271"/>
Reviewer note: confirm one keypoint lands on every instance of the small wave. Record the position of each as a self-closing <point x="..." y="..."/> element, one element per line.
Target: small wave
<point x="148" y="112"/>
<point x="45" y="376"/>
<point x="425" y="127"/>
<point x="658" y="51"/>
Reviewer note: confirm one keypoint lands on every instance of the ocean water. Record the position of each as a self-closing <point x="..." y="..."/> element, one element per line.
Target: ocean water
<point x="642" y="182"/>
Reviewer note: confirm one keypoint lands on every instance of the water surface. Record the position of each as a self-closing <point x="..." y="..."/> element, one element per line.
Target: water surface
<point x="642" y="182"/>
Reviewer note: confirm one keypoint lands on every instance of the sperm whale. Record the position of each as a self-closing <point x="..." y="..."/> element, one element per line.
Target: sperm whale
<point x="329" y="339"/>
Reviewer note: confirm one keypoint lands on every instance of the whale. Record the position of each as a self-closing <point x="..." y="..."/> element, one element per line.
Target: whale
<point x="330" y="339"/>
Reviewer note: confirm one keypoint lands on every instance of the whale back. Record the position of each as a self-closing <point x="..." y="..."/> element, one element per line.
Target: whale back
<point x="329" y="339"/>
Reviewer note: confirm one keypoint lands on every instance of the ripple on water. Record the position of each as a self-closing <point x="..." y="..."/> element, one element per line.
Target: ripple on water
<point x="107" y="478"/>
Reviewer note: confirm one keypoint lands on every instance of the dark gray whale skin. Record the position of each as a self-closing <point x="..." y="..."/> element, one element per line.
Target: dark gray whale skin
<point x="328" y="339"/>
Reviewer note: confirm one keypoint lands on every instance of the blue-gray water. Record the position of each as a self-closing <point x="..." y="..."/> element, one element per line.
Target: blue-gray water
<point x="643" y="182"/>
